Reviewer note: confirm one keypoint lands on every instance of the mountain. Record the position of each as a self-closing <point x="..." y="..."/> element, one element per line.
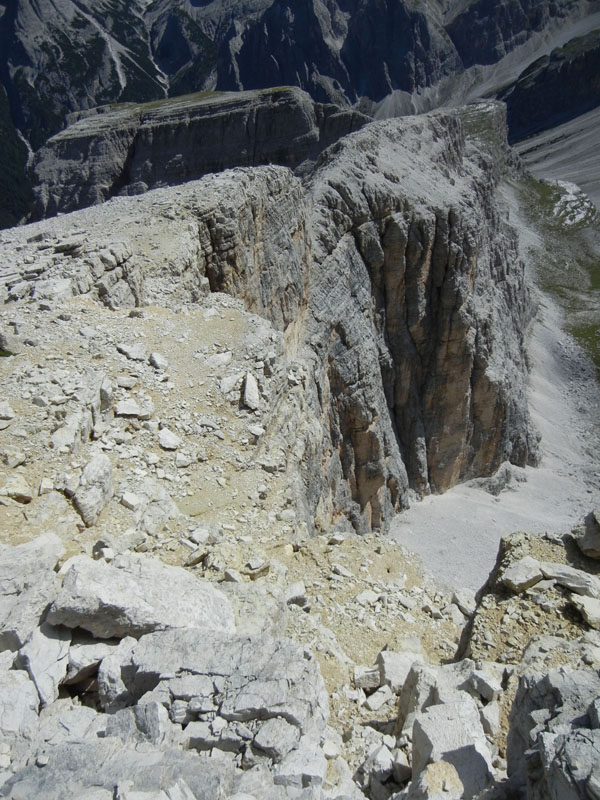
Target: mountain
<point x="216" y="395"/>
<point x="390" y="56"/>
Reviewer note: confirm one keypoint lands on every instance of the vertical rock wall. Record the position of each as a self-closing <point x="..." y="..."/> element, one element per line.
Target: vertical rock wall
<point x="400" y="287"/>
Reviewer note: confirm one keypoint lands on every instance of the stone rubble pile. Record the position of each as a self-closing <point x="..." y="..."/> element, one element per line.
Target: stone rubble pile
<point x="129" y="676"/>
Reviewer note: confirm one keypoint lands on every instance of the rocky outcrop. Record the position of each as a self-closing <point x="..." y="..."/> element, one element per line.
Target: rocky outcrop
<point x="369" y="49"/>
<point x="409" y="337"/>
<point x="133" y="148"/>
<point x="406" y="315"/>
<point x="483" y="31"/>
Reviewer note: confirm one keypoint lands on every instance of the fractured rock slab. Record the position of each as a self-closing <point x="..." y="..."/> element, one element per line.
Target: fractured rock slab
<point x="453" y="733"/>
<point x="522" y="574"/>
<point x="135" y="595"/>
<point x="28" y="584"/>
<point x="95" y="488"/>
<point x="45" y="657"/>
<point x="576" y="580"/>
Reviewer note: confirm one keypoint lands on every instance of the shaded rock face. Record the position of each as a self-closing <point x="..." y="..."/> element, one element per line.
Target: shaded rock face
<point x="555" y="88"/>
<point x="63" y="56"/>
<point x="131" y="149"/>
<point x="337" y="49"/>
<point x="554" y="718"/>
<point x="417" y="332"/>
<point x="485" y="30"/>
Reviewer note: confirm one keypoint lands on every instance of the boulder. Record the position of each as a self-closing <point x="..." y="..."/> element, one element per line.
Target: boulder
<point x="28" y="584"/>
<point x="522" y="575"/>
<point x="394" y="668"/>
<point x="251" y="392"/>
<point x="453" y="733"/>
<point x="134" y="595"/>
<point x="576" y="580"/>
<point x="588" y="535"/>
<point x="45" y="657"/>
<point x="589" y="608"/>
<point x="95" y="488"/>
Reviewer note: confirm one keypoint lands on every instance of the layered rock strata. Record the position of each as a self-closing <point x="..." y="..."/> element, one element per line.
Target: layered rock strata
<point x="397" y="284"/>
<point x="129" y="149"/>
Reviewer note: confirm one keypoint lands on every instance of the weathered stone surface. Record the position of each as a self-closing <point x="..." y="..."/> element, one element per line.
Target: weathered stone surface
<point x="590" y="609"/>
<point x="251" y="392"/>
<point x="263" y="677"/>
<point x="366" y="678"/>
<point x="427" y="685"/>
<point x="76" y="429"/>
<point x="588" y="535"/>
<point x="82" y="769"/>
<point x="549" y="719"/>
<point x="134" y="351"/>
<point x="283" y="127"/>
<point x="134" y="595"/>
<point x="17" y="488"/>
<point x="28" y="584"/>
<point x="304" y="767"/>
<point x="45" y="657"/>
<point x="438" y="781"/>
<point x="394" y="668"/>
<point x="95" y="488"/>
<point x="276" y="738"/>
<point x="168" y="440"/>
<point x="522" y="574"/>
<point x="85" y="657"/>
<point x="571" y="578"/>
<point x="19" y="703"/>
<point x="453" y="733"/>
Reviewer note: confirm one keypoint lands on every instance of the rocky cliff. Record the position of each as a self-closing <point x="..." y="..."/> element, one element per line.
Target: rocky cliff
<point x="60" y="56"/>
<point x="129" y="149"/>
<point x="196" y="377"/>
<point x="400" y="291"/>
<point x="555" y="88"/>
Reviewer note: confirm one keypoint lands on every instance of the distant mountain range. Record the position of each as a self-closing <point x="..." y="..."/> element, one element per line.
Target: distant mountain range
<point x="387" y="57"/>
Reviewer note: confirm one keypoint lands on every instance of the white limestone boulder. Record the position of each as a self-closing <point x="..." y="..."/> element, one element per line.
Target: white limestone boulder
<point x="28" y="584"/>
<point x="134" y="595"/>
<point x="453" y="733"/>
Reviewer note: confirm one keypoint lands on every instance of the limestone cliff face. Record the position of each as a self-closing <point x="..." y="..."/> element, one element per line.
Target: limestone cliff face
<point x="401" y="292"/>
<point x="132" y="148"/>
<point x="397" y="284"/>
<point x="418" y="310"/>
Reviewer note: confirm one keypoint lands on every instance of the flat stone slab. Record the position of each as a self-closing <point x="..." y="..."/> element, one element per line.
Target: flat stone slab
<point x="576" y="580"/>
<point x="453" y="733"/>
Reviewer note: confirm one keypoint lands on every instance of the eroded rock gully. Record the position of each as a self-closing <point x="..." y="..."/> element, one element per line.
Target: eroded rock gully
<point x="399" y="288"/>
